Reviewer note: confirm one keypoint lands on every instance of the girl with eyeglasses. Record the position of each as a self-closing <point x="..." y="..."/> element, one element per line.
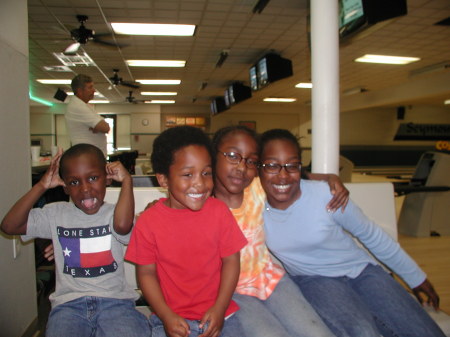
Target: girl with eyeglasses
<point x="270" y="303"/>
<point x="352" y="293"/>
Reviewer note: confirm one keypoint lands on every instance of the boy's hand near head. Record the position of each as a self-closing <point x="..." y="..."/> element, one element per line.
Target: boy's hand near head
<point x="15" y="221"/>
<point x="124" y="211"/>
<point x="117" y="172"/>
<point x="51" y="178"/>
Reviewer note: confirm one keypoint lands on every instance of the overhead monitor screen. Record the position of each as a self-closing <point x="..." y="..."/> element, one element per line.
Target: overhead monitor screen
<point x="349" y="11"/>
<point x="253" y="78"/>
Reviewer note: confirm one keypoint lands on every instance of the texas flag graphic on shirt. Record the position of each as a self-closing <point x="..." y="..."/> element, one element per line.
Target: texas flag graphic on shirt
<point x="87" y="251"/>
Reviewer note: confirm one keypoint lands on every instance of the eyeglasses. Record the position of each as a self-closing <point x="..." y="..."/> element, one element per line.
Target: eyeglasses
<point x="273" y="168"/>
<point x="236" y="158"/>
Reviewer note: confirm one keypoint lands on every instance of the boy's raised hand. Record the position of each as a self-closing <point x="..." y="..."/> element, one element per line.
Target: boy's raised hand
<point x="116" y="171"/>
<point x="51" y="177"/>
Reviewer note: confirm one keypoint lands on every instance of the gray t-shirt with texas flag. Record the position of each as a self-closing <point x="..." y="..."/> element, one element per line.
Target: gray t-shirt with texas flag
<point x="88" y="252"/>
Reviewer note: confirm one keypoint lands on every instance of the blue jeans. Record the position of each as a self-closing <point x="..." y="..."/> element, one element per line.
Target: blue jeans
<point x="231" y="327"/>
<point x="371" y="304"/>
<point x="97" y="316"/>
<point x="286" y="313"/>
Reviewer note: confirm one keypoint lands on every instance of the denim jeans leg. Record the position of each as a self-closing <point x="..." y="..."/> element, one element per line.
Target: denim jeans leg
<point x="119" y="317"/>
<point x="396" y="312"/>
<point x="294" y="312"/>
<point x="70" y="320"/>
<point x="339" y="305"/>
<point x="157" y="327"/>
<point x="255" y="318"/>
<point x="232" y="327"/>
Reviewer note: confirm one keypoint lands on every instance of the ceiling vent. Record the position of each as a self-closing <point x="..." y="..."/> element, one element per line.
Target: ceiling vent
<point x="75" y="60"/>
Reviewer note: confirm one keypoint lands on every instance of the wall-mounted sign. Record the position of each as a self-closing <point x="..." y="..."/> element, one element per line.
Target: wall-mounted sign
<point x="411" y="131"/>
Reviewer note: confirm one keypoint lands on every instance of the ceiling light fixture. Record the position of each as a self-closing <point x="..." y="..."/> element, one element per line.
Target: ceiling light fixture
<point x="304" y="85"/>
<point x="447" y="101"/>
<point x="222" y="57"/>
<point x="156" y="63"/>
<point x="152" y="29"/>
<point x="162" y="82"/>
<point x="385" y="59"/>
<point x="431" y="69"/>
<point x="53" y="81"/>
<point x="158" y="93"/>
<point x="58" y="69"/>
<point x="353" y="91"/>
<point x="279" y="100"/>
<point x="160" y="101"/>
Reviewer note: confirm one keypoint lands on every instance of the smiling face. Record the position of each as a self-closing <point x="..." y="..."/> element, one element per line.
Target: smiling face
<point x="190" y="181"/>
<point x="233" y="178"/>
<point x="85" y="182"/>
<point x="282" y="188"/>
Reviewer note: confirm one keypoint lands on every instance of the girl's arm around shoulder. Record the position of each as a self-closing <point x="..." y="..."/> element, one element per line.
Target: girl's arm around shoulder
<point x="15" y="221"/>
<point x="228" y="281"/>
<point x="174" y="325"/>
<point x="124" y="210"/>
<point x="337" y="188"/>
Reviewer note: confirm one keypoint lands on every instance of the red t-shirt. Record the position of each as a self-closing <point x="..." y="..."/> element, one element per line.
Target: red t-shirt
<point x="187" y="247"/>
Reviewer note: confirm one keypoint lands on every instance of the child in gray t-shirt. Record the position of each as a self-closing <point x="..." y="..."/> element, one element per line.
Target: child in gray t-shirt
<point x="91" y="297"/>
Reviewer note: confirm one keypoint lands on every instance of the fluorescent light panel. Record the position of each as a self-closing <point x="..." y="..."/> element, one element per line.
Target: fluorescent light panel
<point x="53" y="81"/>
<point x="70" y="93"/>
<point x="279" y="100"/>
<point x="163" y="82"/>
<point x="152" y="29"/>
<point x="160" y="101"/>
<point x="158" y="93"/>
<point x="98" y="101"/>
<point x="304" y="85"/>
<point x="385" y="59"/>
<point x="157" y="63"/>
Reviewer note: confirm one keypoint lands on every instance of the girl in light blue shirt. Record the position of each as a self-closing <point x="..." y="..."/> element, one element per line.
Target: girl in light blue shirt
<point x="346" y="286"/>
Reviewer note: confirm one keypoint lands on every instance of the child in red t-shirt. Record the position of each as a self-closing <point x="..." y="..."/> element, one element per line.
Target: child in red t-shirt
<point x="186" y="246"/>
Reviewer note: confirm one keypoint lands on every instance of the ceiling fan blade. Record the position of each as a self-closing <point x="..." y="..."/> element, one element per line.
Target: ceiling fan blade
<point x="72" y="49"/>
<point x="108" y="43"/>
<point x="97" y="35"/>
<point x="130" y="85"/>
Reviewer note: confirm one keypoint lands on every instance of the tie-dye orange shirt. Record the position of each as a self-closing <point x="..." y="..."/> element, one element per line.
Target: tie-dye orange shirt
<point x="259" y="273"/>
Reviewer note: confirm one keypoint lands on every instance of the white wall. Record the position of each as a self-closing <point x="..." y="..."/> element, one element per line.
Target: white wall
<point x="42" y="127"/>
<point x="17" y="295"/>
<point x="362" y="126"/>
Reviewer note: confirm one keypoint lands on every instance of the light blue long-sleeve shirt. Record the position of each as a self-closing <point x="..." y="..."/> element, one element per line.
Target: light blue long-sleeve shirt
<point x="310" y="241"/>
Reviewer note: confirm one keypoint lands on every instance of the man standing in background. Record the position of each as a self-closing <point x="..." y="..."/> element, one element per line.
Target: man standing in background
<point x="84" y="125"/>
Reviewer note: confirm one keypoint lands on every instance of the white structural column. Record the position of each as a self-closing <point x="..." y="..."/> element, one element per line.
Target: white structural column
<point x="325" y="91"/>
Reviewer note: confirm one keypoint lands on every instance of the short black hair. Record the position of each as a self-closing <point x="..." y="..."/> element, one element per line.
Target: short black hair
<point x="79" y="81"/>
<point x="172" y="140"/>
<point x="275" y="134"/>
<point x="232" y="129"/>
<point x="78" y="150"/>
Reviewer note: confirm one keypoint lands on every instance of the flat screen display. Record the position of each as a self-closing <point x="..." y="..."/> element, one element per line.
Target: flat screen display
<point x="227" y="97"/>
<point x="263" y="77"/>
<point x="349" y="11"/>
<point x="253" y="78"/>
<point x="351" y="16"/>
